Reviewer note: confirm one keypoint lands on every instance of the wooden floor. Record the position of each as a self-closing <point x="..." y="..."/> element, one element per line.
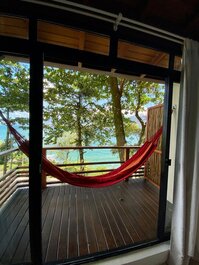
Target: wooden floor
<point x="80" y="221"/>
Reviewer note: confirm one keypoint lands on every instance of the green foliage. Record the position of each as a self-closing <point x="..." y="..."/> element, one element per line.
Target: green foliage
<point x="138" y="94"/>
<point x="2" y="148"/>
<point x="81" y="103"/>
<point x="78" y="105"/>
<point x="74" y="104"/>
<point x="62" y="156"/>
<point x="14" y="87"/>
<point x="14" y="84"/>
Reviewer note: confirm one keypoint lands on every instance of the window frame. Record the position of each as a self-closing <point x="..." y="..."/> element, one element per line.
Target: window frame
<point x="39" y="52"/>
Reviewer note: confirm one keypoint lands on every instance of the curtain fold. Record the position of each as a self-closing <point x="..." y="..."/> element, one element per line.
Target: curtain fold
<point x="185" y="221"/>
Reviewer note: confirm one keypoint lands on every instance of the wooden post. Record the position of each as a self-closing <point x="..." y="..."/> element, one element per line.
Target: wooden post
<point x="35" y="144"/>
<point x="43" y="172"/>
<point x="127" y="152"/>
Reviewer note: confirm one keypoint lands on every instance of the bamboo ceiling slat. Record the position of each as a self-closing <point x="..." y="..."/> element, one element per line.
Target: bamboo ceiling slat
<point x="72" y="38"/>
<point x="95" y="43"/>
<point x="14" y="27"/>
<point x="59" y="30"/>
<point x="140" y="54"/>
<point x="77" y="39"/>
<point x="53" y="38"/>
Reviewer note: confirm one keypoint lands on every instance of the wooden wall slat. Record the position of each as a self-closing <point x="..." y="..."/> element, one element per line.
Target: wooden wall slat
<point x="153" y="164"/>
<point x="14" y="27"/>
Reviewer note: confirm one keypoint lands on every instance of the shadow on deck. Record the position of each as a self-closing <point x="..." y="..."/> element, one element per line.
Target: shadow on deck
<point x="80" y="221"/>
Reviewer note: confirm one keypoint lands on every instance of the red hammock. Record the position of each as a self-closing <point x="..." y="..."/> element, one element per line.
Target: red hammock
<point x="103" y="180"/>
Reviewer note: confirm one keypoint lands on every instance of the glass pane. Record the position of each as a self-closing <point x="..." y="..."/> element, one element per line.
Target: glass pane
<point x="14" y="177"/>
<point x="80" y="137"/>
<point x="72" y="38"/>
<point x="141" y="54"/>
<point x="14" y="27"/>
<point x="174" y="123"/>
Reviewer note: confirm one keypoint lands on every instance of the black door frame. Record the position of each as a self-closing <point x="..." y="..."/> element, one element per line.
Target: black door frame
<point x="37" y="52"/>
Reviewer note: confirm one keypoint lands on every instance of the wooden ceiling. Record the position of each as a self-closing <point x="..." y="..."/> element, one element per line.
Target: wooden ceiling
<point x="94" y="43"/>
<point x="86" y="41"/>
<point x="177" y="16"/>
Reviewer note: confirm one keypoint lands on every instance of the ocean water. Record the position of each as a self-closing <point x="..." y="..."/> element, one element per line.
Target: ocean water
<point x="96" y="155"/>
<point x="3" y="130"/>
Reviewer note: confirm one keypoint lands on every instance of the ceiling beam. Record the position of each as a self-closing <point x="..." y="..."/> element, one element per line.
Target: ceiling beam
<point x="70" y="56"/>
<point x="88" y="24"/>
<point x="14" y="46"/>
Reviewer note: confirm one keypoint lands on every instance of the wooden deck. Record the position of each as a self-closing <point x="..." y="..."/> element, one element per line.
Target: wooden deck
<point x="80" y="221"/>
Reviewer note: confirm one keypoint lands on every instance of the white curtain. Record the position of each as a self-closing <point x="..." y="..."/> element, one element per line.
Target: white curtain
<point x="185" y="221"/>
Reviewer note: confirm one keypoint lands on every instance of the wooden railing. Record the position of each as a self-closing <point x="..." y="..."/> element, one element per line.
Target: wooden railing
<point x="86" y="171"/>
<point x="19" y="175"/>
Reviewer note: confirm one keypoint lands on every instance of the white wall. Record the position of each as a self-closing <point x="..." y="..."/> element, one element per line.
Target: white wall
<point x="174" y="123"/>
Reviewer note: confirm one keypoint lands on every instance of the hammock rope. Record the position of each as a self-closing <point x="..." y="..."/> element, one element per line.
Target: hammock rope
<point x="103" y="180"/>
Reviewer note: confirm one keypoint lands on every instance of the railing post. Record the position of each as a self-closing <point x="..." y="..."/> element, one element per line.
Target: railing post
<point x="127" y="153"/>
<point x="43" y="172"/>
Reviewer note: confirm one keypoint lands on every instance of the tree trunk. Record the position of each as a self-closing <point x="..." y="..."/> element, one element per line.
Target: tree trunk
<point x="79" y="143"/>
<point x="143" y="126"/>
<point x="79" y="132"/>
<point x="116" y="95"/>
<point x="142" y="123"/>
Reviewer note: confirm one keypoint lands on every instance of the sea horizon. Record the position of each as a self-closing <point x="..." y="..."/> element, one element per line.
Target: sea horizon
<point x="95" y="155"/>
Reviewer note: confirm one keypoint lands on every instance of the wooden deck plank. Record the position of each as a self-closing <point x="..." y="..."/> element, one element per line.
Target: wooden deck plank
<point x="80" y="221"/>
<point x="8" y="238"/>
<point x="136" y="215"/>
<point x="131" y="223"/>
<point x="12" y="213"/>
<point x="148" y="206"/>
<point x="47" y="225"/>
<point x="14" y="201"/>
<point x="143" y="202"/>
<point x="95" y="231"/>
<point x="17" y="237"/>
<point x="63" y="231"/>
<point x="132" y="199"/>
<point x="53" y="238"/>
<point x="123" y="227"/>
<point x="118" y="237"/>
<point x="82" y="228"/>
<point x="72" y="245"/>
<point x="20" y="251"/>
<point x="110" y="237"/>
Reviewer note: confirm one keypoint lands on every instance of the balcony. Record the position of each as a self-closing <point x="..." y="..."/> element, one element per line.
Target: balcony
<point x="77" y="221"/>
